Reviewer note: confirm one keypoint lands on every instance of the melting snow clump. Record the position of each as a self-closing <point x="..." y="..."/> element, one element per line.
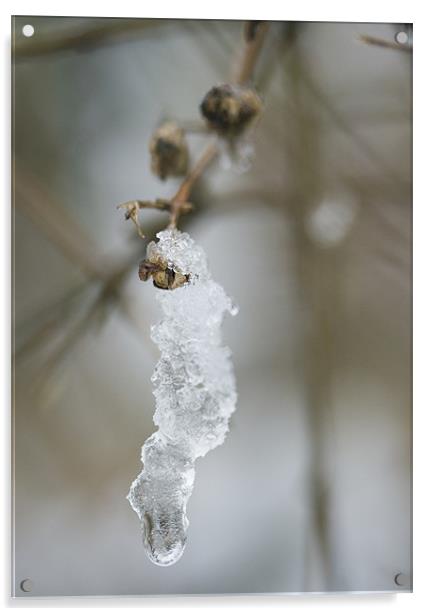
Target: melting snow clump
<point x="195" y="393"/>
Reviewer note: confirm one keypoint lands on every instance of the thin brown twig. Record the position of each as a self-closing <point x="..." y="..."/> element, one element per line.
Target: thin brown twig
<point x="183" y="193"/>
<point x="109" y="292"/>
<point x="253" y="46"/>
<point x="165" y="205"/>
<point x="53" y="220"/>
<point x="374" y="40"/>
<point x="254" y="34"/>
<point x="82" y="40"/>
<point x="57" y="317"/>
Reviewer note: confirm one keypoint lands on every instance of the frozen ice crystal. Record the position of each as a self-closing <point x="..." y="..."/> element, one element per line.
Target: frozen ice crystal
<point x="194" y="388"/>
<point x="238" y="155"/>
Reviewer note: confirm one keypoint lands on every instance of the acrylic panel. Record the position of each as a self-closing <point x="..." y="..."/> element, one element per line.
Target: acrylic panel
<point x="211" y="270"/>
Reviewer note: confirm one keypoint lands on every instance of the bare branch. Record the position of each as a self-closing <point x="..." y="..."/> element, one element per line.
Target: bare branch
<point x="253" y="45"/>
<point x="373" y="40"/>
<point x="55" y="223"/>
<point x="254" y="35"/>
<point x="115" y="31"/>
<point x="183" y="193"/>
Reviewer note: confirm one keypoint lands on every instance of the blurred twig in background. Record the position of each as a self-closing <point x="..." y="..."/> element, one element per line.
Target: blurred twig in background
<point x="112" y="31"/>
<point x="254" y="35"/>
<point x="55" y="223"/>
<point x="373" y="40"/>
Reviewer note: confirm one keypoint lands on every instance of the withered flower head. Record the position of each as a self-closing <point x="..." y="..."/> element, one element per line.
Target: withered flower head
<point x="229" y="109"/>
<point x="163" y="276"/>
<point x="169" y="151"/>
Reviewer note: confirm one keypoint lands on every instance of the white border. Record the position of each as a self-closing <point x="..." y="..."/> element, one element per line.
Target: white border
<point x="329" y="10"/>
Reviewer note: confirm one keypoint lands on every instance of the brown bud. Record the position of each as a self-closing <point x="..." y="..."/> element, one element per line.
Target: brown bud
<point x="163" y="276"/>
<point x="229" y="109"/>
<point x="147" y="269"/>
<point x="169" y="152"/>
<point x="169" y="279"/>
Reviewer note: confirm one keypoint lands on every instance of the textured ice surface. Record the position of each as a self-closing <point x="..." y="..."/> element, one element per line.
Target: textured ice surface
<point x="238" y="155"/>
<point x="195" y="393"/>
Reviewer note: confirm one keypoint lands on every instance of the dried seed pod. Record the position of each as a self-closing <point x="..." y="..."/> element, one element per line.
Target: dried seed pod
<point x="229" y="109"/>
<point x="147" y="269"/>
<point x="169" y="279"/>
<point x="169" y="151"/>
<point x="164" y="277"/>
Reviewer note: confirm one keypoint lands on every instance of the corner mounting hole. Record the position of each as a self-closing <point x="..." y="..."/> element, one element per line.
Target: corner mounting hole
<point x="402" y="38"/>
<point x="26" y="585"/>
<point x="400" y="579"/>
<point x="28" y="30"/>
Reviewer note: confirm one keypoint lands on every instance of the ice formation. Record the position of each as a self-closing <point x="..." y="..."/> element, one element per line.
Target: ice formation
<point x="195" y="393"/>
<point x="236" y="156"/>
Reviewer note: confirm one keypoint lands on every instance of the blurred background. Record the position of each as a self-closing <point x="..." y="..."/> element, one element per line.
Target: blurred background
<point x="311" y="490"/>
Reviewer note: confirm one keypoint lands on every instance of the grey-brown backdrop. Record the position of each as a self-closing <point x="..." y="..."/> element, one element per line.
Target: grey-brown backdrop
<point x="311" y="490"/>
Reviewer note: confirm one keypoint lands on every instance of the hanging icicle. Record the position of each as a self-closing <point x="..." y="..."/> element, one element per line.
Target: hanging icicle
<point x="194" y="387"/>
